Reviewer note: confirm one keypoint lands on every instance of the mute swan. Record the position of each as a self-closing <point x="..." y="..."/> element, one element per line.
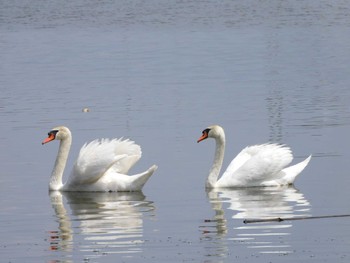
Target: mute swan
<point x="101" y="165"/>
<point x="258" y="165"/>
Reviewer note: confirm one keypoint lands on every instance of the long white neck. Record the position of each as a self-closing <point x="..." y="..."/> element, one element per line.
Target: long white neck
<point x="60" y="164"/>
<point x="218" y="160"/>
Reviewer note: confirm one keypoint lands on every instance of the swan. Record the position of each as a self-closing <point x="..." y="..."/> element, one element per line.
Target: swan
<point x="257" y="165"/>
<point x="101" y="165"/>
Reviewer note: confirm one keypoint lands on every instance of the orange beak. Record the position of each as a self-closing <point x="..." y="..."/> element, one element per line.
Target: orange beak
<point x="49" y="139"/>
<point x="203" y="137"/>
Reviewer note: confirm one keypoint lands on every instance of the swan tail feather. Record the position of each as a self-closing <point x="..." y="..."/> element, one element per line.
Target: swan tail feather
<point x="139" y="180"/>
<point x="291" y="172"/>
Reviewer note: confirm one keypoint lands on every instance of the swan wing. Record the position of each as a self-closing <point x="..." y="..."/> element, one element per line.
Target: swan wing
<point x="133" y="154"/>
<point x="257" y="164"/>
<point x="98" y="156"/>
<point x="240" y="159"/>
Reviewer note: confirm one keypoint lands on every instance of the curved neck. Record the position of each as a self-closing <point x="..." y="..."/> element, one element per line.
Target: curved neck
<point x="60" y="164"/>
<point x="218" y="160"/>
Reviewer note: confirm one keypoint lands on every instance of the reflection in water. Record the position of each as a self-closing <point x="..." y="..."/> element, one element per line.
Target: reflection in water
<point x="257" y="202"/>
<point x="99" y="223"/>
<point x="214" y="231"/>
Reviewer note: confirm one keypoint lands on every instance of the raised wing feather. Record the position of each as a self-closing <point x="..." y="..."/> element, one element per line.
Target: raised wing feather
<point x="257" y="164"/>
<point x="98" y="156"/>
<point x="133" y="152"/>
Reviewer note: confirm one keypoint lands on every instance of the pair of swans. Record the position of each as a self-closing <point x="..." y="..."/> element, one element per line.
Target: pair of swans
<point x="102" y="165"/>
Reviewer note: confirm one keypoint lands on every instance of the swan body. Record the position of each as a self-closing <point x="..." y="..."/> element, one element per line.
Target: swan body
<point x="101" y="166"/>
<point x="257" y="165"/>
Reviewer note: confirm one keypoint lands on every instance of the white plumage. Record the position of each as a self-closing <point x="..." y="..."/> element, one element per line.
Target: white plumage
<point x="102" y="165"/>
<point x="257" y="165"/>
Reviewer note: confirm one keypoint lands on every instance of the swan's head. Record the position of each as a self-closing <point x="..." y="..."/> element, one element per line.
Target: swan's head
<point x="214" y="131"/>
<point x="57" y="133"/>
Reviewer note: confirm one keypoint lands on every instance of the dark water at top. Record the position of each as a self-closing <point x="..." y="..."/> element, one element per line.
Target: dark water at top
<point x="159" y="72"/>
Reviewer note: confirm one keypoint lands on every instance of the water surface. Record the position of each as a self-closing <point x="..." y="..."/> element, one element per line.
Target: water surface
<point x="159" y="73"/>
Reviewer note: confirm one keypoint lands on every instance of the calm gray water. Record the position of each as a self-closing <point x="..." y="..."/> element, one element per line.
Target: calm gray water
<point x="159" y="72"/>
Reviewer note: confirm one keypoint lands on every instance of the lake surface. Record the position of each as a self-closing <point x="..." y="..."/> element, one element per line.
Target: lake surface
<point x="159" y="72"/>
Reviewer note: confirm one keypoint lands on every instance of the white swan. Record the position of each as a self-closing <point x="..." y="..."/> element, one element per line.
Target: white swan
<point x="258" y="165"/>
<point x="101" y="165"/>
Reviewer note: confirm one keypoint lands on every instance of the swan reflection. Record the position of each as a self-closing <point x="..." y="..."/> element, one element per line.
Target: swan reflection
<point x="258" y="203"/>
<point x="99" y="223"/>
